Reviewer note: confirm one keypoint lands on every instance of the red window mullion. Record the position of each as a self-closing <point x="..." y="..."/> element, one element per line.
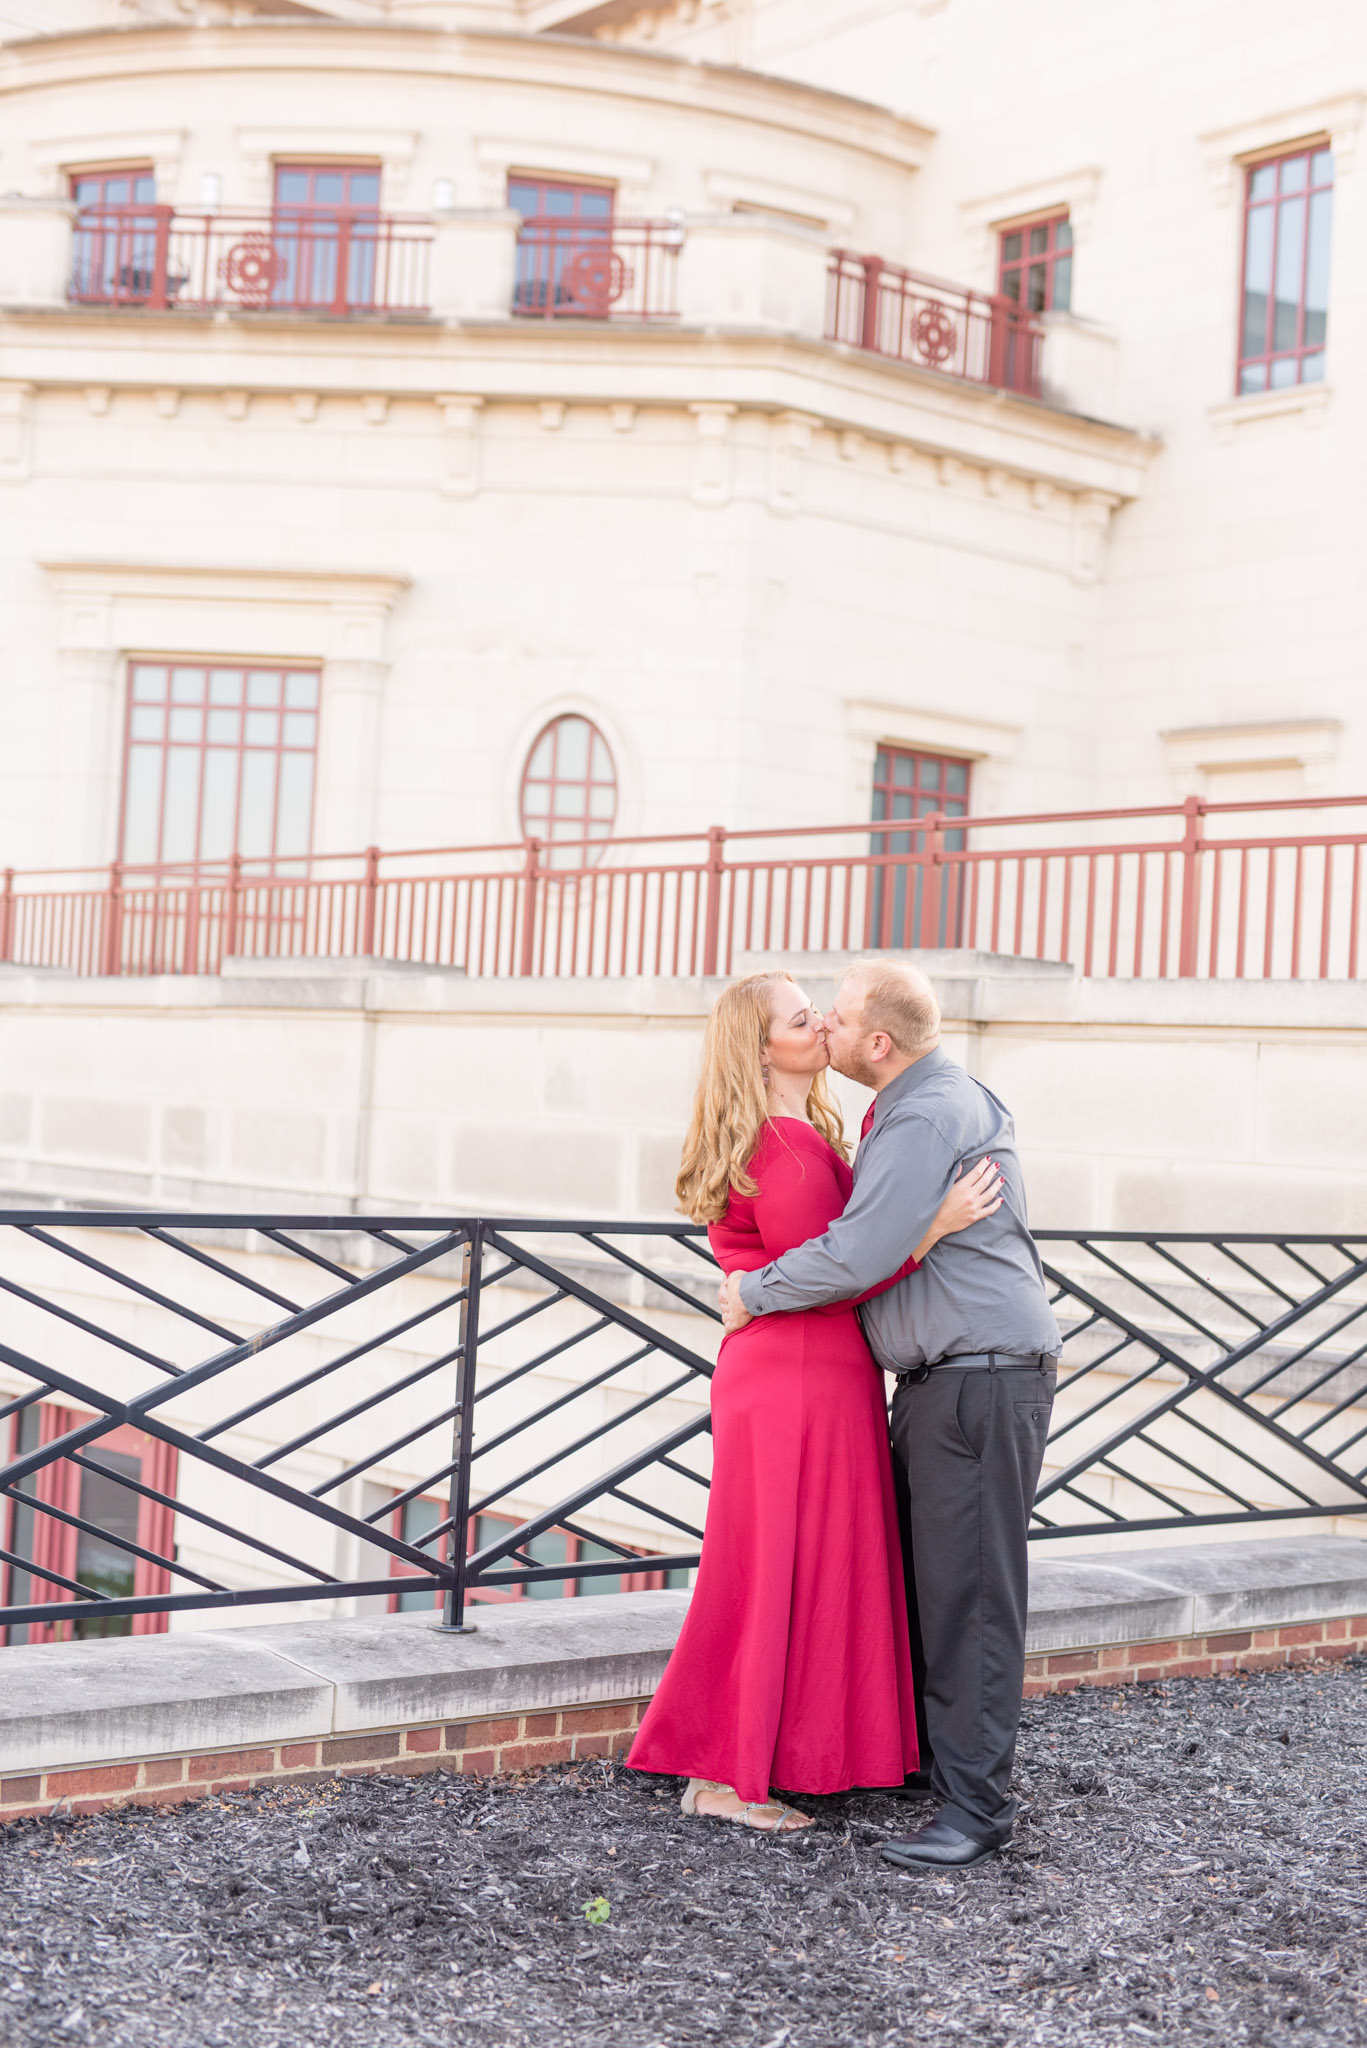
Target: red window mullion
<point x="1270" y="324"/>
<point x="1305" y="261"/>
<point x="57" y="1485"/>
<point x="156" y="1531"/>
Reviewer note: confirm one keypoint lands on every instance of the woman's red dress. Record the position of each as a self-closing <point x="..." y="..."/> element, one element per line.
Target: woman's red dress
<point x="792" y="1669"/>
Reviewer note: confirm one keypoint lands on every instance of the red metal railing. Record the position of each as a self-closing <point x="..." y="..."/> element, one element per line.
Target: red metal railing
<point x="615" y="270"/>
<point x="892" y="312"/>
<point x="288" y="261"/>
<point x="1266" y="891"/>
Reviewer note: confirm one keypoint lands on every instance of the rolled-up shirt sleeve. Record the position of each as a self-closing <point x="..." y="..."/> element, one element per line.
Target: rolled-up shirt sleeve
<point x="903" y="1179"/>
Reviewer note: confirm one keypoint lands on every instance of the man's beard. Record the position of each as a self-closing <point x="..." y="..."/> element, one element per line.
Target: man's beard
<point x="856" y="1068"/>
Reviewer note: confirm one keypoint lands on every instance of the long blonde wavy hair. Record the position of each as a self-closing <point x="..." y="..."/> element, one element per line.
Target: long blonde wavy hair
<point x="731" y="1107"/>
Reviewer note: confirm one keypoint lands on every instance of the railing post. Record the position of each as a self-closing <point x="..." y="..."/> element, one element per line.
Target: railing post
<point x="230" y="936"/>
<point x="932" y="888"/>
<point x="530" y="892"/>
<point x="868" y="325"/>
<point x="339" y="300"/>
<point x="998" y="342"/>
<point x="7" y="916"/>
<point x="370" y="904"/>
<point x="158" y="296"/>
<point x="189" y="963"/>
<point x="716" y="870"/>
<point x="453" y="1620"/>
<point x="113" y="921"/>
<point x="1189" y="927"/>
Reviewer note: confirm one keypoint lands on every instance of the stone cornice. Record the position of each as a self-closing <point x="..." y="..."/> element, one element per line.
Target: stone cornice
<point x="569" y="64"/>
<point x="519" y="363"/>
<point x="211" y="583"/>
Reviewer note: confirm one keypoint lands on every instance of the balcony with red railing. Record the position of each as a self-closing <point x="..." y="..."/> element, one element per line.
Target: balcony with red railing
<point x="338" y="264"/>
<point x="1270" y="891"/>
<point x="610" y="270"/>
<point x="347" y="263"/>
<point x="972" y="336"/>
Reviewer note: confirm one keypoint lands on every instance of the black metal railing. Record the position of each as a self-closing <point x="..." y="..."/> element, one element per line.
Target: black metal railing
<point x="212" y="1411"/>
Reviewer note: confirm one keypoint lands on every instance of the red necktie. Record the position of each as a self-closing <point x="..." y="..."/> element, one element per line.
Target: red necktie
<point x="867" y="1124"/>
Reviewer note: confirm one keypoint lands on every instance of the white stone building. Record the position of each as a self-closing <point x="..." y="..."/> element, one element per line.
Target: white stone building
<point x="429" y="423"/>
<point x="748" y="554"/>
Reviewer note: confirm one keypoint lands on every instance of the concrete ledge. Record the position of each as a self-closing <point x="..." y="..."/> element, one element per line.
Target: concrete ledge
<point x="523" y="1655"/>
<point x="975" y="988"/>
<point x="74" y="1703"/>
<point x="163" y="1717"/>
<point x="1138" y="1595"/>
<point x="64" y="1704"/>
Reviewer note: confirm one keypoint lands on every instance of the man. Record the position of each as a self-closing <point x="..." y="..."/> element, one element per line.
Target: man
<point x="974" y="1345"/>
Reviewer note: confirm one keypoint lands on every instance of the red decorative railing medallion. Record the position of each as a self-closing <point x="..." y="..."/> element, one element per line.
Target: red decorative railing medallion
<point x="608" y="270"/>
<point x="288" y="261"/>
<point x="875" y="305"/>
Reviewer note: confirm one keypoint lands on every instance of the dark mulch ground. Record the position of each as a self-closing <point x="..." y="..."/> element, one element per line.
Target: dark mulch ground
<point x="1190" y="1867"/>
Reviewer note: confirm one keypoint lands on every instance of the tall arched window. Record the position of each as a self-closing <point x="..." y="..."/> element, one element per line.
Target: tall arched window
<point x="569" y="789"/>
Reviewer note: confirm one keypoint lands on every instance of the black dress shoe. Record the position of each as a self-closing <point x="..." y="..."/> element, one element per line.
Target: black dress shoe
<point x="915" y="1785"/>
<point x="937" y="1846"/>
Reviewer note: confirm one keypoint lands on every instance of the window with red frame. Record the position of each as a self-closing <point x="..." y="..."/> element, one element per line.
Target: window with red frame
<point x="416" y="1518"/>
<point x="103" y="1492"/>
<point x="910" y="784"/>
<point x="1035" y="268"/>
<point x="569" y="790"/>
<point x="1288" y="205"/>
<point x="219" y="760"/>
<point x="409" y="1524"/>
<point x="115" y="242"/>
<point x="560" y="1546"/>
<point x="561" y="220"/>
<point x="326" y="235"/>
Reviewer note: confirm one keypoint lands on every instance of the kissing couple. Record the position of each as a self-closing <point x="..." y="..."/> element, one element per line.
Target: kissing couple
<point x="851" y="1628"/>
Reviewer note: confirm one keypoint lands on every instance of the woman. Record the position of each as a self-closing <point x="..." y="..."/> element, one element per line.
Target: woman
<point x="793" y="1667"/>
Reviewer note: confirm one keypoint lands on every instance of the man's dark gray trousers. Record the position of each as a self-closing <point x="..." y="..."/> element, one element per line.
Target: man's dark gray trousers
<point x="969" y="1442"/>
<point x="969" y="1447"/>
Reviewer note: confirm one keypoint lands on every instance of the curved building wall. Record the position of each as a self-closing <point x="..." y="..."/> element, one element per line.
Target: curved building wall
<point x="749" y="556"/>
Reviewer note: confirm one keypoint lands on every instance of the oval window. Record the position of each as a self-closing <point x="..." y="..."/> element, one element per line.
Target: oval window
<point x="569" y="790"/>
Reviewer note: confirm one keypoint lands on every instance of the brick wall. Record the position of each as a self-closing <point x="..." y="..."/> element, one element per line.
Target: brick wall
<point x="1260" y="1649"/>
<point x="521" y="1742"/>
<point x="516" y="1742"/>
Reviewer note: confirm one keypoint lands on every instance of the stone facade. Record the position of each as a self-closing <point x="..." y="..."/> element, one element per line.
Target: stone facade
<point x="1140" y="1105"/>
<point x="749" y="555"/>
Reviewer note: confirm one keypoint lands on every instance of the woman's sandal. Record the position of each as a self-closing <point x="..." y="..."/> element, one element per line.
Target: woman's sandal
<point x="689" y="1804"/>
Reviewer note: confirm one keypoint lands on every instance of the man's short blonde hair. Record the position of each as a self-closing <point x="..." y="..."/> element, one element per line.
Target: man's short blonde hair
<point x="898" y="1000"/>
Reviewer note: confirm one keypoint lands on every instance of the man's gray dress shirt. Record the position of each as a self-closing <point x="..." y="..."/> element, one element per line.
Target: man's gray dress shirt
<point x="981" y="1289"/>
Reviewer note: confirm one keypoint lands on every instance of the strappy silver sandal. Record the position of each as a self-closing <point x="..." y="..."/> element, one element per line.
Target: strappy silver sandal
<point x="689" y="1804"/>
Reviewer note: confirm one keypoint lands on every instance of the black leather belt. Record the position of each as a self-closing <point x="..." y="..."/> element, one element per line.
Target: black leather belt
<point x="982" y="1361"/>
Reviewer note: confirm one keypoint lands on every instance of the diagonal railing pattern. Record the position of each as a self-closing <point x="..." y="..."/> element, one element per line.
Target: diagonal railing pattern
<point x="1205" y="1380"/>
<point x="221" y="1411"/>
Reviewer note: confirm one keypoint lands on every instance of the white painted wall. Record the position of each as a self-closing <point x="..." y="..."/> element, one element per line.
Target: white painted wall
<point x="1181" y="1105"/>
<point x="1233" y="596"/>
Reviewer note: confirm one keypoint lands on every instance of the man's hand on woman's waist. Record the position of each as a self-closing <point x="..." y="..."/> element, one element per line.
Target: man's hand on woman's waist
<point x="734" y="1314"/>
